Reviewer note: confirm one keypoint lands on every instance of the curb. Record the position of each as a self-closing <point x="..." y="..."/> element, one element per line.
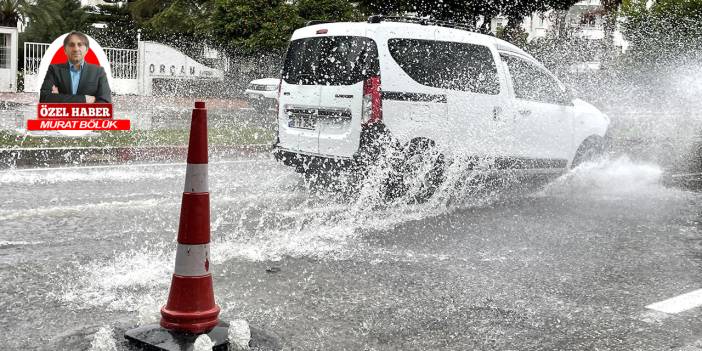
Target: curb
<point x="43" y="157"/>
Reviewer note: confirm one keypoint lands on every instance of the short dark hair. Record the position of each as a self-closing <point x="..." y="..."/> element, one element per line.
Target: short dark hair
<point x="83" y="38"/>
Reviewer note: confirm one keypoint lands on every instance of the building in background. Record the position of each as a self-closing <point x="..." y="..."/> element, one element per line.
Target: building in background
<point x="583" y="20"/>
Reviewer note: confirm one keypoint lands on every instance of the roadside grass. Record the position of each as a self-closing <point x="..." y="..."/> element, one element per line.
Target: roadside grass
<point x="140" y="138"/>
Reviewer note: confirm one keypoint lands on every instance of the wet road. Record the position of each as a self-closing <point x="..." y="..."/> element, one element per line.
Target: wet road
<point x="86" y="253"/>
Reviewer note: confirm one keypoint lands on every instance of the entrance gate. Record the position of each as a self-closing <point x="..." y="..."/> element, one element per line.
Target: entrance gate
<point x="133" y="71"/>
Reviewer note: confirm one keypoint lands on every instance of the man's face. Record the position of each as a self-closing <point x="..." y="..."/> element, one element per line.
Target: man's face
<point x="75" y="49"/>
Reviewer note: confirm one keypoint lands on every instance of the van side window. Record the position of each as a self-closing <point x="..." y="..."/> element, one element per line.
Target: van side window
<point x="447" y="65"/>
<point x="530" y="82"/>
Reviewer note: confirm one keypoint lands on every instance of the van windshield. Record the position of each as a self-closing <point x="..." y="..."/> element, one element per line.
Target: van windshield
<point x="331" y="60"/>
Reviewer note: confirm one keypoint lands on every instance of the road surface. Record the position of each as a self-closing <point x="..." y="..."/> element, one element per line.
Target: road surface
<point x="87" y="252"/>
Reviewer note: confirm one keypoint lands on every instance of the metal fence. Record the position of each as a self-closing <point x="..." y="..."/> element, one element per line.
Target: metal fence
<point x="33" y="52"/>
<point x="123" y="62"/>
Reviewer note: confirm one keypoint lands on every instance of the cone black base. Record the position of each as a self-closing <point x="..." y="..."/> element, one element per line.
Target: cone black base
<point x="155" y="337"/>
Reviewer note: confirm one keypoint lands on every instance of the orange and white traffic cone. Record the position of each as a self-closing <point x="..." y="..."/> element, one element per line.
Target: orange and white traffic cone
<point x="191" y="309"/>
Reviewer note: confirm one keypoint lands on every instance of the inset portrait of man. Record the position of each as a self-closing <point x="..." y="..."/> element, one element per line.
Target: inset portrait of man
<point x="75" y="81"/>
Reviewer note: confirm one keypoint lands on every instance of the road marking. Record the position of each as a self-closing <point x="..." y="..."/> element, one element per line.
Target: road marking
<point x="130" y="165"/>
<point x="679" y="303"/>
<point x="680" y="175"/>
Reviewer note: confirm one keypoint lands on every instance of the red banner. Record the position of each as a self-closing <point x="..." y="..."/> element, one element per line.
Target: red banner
<point x="78" y="124"/>
<point x="97" y="110"/>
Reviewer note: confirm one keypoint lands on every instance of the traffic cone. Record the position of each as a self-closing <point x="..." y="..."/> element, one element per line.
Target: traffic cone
<point x="190" y="309"/>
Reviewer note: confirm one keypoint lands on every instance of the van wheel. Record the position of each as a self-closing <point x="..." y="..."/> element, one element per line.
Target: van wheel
<point x="423" y="170"/>
<point x="591" y="149"/>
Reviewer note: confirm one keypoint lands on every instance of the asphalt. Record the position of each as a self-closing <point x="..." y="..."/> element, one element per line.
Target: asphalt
<point x="87" y="156"/>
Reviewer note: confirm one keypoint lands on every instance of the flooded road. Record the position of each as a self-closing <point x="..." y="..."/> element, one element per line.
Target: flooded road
<point x="88" y="252"/>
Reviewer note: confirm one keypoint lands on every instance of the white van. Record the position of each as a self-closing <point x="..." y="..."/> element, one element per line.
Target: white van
<point x="426" y="86"/>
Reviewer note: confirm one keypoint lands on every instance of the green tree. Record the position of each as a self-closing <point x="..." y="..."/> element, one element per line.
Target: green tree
<point x="384" y="7"/>
<point x="327" y="10"/>
<point x="11" y="11"/>
<point x="664" y="30"/>
<point x="470" y="12"/>
<point x="48" y="19"/>
<point x="249" y="26"/>
<point x="143" y="10"/>
<point x="611" y="13"/>
<point x="171" y="21"/>
<point x="116" y="27"/>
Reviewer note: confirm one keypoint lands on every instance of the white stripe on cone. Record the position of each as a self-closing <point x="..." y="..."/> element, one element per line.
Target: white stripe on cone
<point x="192" y="260"/>
<point x="196" y="178"/>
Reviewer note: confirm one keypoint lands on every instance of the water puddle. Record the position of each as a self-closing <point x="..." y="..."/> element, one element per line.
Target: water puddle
<point x="131" y="281"/>
<point x="262" y="218"/>
<point x="87" y="174"/>
<point x="279" y="215"/>
<point x="15" y="243"/>
<point x="66" y="210"/>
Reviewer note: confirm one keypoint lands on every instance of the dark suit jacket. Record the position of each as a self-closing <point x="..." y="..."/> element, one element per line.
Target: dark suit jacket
<point x="93" y="81"/>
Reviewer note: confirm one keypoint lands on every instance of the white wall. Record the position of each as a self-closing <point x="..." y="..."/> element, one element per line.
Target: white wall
<point x="125" y="86"/>
<point x="155" y="60"/>
<point x="162" y="61"/>
<point x="8" y="76"/>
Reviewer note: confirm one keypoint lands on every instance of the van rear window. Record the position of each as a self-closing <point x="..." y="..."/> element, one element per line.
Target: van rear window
<point x="447" y="65"/>
<point x="331" y="60"/>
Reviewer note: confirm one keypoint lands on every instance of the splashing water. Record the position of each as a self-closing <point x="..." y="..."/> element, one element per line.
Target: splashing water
<point x="203" y="343"/>
<point x="239" y="334"/>
<point x="132" y="281"/>
<point x="277" y="217"/>
<point x="274" y="218"/>
<point x="613" y="178"/>
<point x="103" y="340"/>
<point x="323" y="219"/>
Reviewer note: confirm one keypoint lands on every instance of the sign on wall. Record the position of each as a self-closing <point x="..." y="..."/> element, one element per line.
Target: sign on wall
<point x="159" y="61"/>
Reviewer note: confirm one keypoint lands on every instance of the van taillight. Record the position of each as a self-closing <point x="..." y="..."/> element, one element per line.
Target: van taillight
<point x="372" y="101"/>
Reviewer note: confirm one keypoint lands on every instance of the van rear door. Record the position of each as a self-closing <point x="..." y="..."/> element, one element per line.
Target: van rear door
<point x="322" y="97"/>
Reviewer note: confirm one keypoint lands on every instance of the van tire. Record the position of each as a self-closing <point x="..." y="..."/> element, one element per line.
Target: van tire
<point x="418" y="154"/>
<point x="591" y="149"/>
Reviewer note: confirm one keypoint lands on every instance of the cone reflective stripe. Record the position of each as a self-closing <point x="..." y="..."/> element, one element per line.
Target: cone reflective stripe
<point x="192" y="260"/>
<point x="196" y="178"/>
<point x="191" y="307"/>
